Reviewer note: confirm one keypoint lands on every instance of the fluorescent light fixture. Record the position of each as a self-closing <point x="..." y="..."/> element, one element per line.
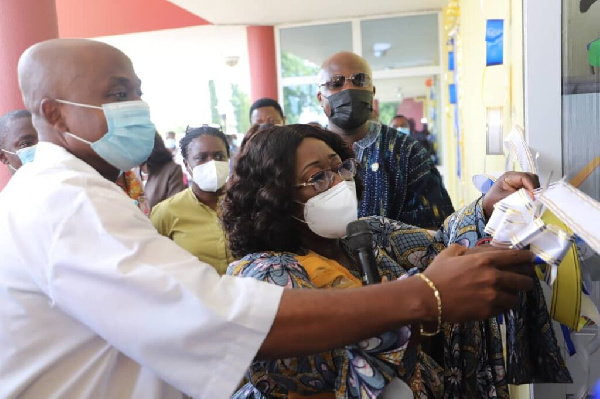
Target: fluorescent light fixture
<point x="379" y="49"/>
<point x="494" y="128"/>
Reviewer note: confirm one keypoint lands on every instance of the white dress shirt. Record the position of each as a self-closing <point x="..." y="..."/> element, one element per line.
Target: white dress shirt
<point x="94" y="303"/>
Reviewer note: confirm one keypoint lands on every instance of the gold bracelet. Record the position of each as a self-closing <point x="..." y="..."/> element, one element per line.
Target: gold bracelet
<point x="439" y="305"/>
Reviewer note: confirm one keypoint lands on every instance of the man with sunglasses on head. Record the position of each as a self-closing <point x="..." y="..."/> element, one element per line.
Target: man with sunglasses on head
<point x="401" y="181"/>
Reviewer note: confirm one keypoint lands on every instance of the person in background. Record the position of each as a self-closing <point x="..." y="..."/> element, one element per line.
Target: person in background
<point x="400" y="123"/>
<point x="427" y="140"/>
<point x="401" y="181"/>
<point x="233" y="144"/>
<point x="18" y="139"/>
<point x="293" y="192"/>
<point x="133" y="187"/>
<point x="171" y="143"/>
<point x="161" y="176"/>
<point x="266" y="110"/>
<point x="190" y="217"/>
<point x="412" y="125"/>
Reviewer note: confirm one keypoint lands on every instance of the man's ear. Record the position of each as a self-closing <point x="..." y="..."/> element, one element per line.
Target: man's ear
<point x="3" y="158"/>
<point x="51" y="112"/>
<point x="324" y="105"/>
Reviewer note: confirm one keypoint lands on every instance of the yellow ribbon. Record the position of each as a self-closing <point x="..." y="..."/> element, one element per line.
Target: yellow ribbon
<point x="566" y="291"/>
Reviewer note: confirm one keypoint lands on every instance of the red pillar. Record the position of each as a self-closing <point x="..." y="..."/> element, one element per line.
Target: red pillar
<point x="263" y="63"/>
<point x="22" y="23"/>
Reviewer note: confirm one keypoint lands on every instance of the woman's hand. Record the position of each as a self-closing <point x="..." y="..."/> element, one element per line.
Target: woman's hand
<point x="475" y="284"/>
<point x="507" y="184"/>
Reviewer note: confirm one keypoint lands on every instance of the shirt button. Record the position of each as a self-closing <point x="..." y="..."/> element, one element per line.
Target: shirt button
<point x="375" y="167"/>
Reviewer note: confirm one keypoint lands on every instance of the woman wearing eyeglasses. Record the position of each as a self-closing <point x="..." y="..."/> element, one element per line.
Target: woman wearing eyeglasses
<point x="293" y="192"/>
<point x="190" y="217"/>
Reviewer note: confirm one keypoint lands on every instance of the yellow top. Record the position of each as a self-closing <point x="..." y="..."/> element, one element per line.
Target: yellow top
<point x="193" y="226"/>
<point x="327" y="273"/>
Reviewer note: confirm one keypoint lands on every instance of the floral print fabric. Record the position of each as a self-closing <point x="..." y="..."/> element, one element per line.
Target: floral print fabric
<point x="470" y="363"/>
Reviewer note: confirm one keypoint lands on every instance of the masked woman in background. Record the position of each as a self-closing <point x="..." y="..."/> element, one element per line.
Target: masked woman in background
<point x="285" y="212"/>
<point x="190" y="217"/>
<point x="161" y="176"/>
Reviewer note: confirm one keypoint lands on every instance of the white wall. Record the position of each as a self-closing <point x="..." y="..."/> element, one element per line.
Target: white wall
<point x="175" y="66"/>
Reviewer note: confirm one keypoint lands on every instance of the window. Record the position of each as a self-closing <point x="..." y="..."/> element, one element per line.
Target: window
<point x="304" y="49"/>
<point x="401" y="42"/>
<point x="403" y="52"/>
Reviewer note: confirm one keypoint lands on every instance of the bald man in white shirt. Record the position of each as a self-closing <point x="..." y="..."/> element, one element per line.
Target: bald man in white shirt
<point x="94" y="303"/>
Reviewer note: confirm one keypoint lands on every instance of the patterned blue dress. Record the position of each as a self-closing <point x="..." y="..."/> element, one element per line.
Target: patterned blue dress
<point x="472" y="363"/>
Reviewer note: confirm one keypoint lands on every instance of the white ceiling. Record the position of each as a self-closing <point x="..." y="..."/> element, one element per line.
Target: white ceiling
<point x="275" y="12"/>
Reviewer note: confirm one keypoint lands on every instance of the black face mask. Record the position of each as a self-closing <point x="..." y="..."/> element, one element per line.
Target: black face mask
<point x="350" y="108"/>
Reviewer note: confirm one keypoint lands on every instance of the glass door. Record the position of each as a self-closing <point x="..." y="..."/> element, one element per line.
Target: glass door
<point x="562" y="97"/>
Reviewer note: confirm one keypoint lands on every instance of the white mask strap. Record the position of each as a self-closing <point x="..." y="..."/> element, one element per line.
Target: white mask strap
<point x="12" y="167"/>
<point x="79" y="138"/>
<point x="78" y="104"/>
<point x="8" y="152"/>
<point x="300" y="220"/>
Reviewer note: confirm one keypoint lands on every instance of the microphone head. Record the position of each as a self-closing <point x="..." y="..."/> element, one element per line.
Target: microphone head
<point x="359" y="235"/>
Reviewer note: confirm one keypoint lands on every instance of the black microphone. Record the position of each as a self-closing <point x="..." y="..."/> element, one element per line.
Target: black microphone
<point x="360" y="242"/>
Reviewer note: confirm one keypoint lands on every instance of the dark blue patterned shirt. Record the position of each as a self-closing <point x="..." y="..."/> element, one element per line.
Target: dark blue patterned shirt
<point x="401" y="181"/>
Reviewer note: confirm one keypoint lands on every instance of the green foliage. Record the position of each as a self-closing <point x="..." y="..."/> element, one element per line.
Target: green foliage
<point x="216" y="118"/>
<point x="297" y="98"/>
<point x="387" y="112"/>
<point x="594" y="53"/>
<point x="292" y="65"/>
<point x="241" y="107"/>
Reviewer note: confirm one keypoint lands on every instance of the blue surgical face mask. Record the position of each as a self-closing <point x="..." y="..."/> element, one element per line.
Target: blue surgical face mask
<point x="404" y="130"/>
<point x="130" y="137"/>
<point x="26" y="154"/>
<point x="170" y="144"/>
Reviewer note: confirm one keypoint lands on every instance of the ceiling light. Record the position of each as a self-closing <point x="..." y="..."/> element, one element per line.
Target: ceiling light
<point x="379" y="49"/>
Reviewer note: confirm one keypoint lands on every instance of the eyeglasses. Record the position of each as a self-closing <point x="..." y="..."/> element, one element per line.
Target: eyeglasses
<point x="322" y="180"/>
<point x="204" y="126"/>
<point x="338" y="81"/>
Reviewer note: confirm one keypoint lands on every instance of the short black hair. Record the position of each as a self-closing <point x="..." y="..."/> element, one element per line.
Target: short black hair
<point x="265" y="102"/>
<point x="9" y="117"/>
<point x="194" y="132"/>
<point x="258" y="207"/>
<point x="399" y="116"/>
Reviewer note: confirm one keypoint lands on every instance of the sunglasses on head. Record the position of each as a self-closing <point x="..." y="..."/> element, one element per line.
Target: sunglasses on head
<point x="360" y="79"/>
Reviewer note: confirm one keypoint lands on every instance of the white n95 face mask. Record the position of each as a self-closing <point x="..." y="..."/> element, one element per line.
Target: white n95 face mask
<point x="328" y="213"/>
<point x="211" y="176"/>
